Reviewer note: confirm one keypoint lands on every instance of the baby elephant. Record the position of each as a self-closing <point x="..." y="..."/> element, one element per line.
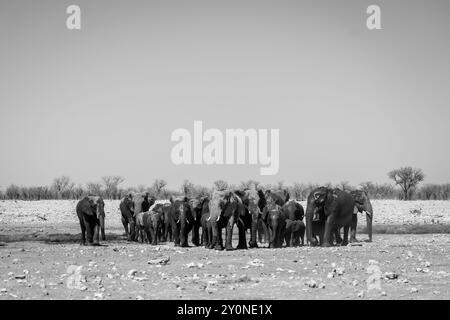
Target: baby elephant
<point x="149" y="225"/>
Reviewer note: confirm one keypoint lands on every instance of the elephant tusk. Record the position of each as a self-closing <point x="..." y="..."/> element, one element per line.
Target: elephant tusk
<point x="218" y="218"/>
<point x="178" y="221"/>
<point x="187" y="221"/>
<point x="208" y="218"/>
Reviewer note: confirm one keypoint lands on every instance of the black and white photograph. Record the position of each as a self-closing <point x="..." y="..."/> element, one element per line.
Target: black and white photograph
<point x="239" y="150"/>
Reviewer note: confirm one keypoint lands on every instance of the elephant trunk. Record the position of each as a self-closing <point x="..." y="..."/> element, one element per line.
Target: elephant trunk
<point x="274" y="225"/>
<point x="369" y="218"/>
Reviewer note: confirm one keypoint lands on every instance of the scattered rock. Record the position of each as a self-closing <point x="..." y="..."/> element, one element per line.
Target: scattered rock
<point x="132" y="273"/>
<point x="195" y="265"/>
<point x="311" y="283"/>
<point x="160" y="261"/>
<point x="256" y="263"/>
<point x="391" y="275"/>
<point x="414" y="290"/>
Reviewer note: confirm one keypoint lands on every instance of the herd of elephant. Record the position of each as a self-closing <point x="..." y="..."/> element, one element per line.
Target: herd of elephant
<point x="267" y="214"/>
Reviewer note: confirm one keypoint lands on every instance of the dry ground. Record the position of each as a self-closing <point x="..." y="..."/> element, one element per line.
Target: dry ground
<point x="40" y="251"/>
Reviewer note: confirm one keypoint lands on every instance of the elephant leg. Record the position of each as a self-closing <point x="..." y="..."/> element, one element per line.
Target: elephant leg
<point x="125" y="226"/>
<point x="353" y="228"/>
<point x="301" y="233"/>
<point x="210" y="234"/>
<point x="132" y="234"/>
<point x="242" y="241"/>
<point x="220" y="236"/>
<point x="83" y="232"/>
<point x="176" y="234"/>
<point x="253" y="232"/>
<point x="96" y="235"/>
<point x="270" y="232"/>
<point x="260" y="230"/>
<point x="152" y="237"/>
<point x="329" y="228"/>
<point x="337" y="235"/>
<point x="102" y="227"/>
<point x="266" y="233"/>
<point x="369" y="218"/>
<point x="345" y="240"/>
<point x="195" y="235"/>
<point x="89" y="230"/>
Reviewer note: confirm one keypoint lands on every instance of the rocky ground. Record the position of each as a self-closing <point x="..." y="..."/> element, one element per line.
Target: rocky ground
<point x="40" y="258"/>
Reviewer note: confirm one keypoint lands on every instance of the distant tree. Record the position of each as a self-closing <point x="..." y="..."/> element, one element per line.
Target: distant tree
<point x="142" y="188"/>
<point x="280" y="185"/>
<point x="111" y="184"/>
<point x="94" y="188"/>
<point x="62" y="186"/>
<point x="201" y="191"/>
<point x="13" y="192"/>
<point x="187" y="188"/>
<point x="221" y="185"/>
<point x="407" y="178"/>
<point x="249" y="184"/>
<point x="158" y="187"/>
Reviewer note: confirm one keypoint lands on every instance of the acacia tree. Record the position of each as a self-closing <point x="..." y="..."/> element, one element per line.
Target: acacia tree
<point x="407" y="178"/>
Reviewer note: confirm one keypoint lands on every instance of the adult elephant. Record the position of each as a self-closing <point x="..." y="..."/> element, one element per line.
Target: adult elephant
<point x="142" y="201"/>
<point x="165" y="229"/>
<point x="225" y="210"/>
<point x="363" y="205"/>
<point x="334" y="208"/>
<point x="181" y="219"/>
<point x="295" y="228"/>
<point x="199" y="207"/>
<point x="254" y="202"/>
<point x="91" y="214"/>
<point x="276" y="223"/>
<point x="127" y="211"/>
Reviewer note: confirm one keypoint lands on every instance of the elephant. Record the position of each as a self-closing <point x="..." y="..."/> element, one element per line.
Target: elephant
<point x="165" y="230"/>
<point x="332" y="207"/>
<point x="254" y="202"/>
<point x="199" y="207"/>
<point x="225" y="210"/>
<point x="362" y="204"/>
<point x="141" y="203"/>
<point x="127" y="211"/>
<point x="148" y="225"/>
<point x="206" y="226"/>
<point x="91" y="214"/>
<point x="275" y="220"/>
<point x="295" y="228"/>
<point x="181" y="220"/>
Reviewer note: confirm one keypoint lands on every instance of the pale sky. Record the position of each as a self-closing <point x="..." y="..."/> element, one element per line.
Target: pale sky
<point x="351" y="104"/>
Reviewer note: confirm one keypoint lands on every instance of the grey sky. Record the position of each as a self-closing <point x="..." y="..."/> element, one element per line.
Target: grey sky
<point x="351" y="104"/>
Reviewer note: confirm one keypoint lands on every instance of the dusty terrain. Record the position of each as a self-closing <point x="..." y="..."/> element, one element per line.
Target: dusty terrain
<point x="40" y="258"/>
